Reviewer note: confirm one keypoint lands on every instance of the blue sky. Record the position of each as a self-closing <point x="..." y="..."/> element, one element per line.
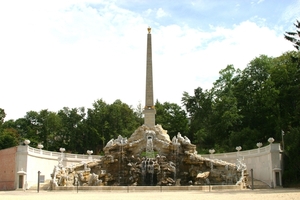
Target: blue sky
<point x="73" y="52"/>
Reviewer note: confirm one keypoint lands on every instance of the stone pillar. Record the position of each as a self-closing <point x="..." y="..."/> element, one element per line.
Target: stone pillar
<point x="149" y="110"/>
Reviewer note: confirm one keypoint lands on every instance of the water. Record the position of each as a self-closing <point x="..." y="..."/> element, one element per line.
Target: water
<point x="176" y="160"/>
<point x="149" y="148"/>
<point x="148" y="164"/>
<point x="121" y="172"/>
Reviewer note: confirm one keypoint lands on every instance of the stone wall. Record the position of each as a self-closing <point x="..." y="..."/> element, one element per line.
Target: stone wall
<point x="32" y="160"/>
<point x="265" y="162"/>
<point x="8" y="168"/>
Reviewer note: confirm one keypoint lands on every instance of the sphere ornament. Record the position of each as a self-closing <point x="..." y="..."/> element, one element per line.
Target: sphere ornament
<point x="238" y="148"/>
<point x="26" y="142"/>
<point x="89" y="152"/>
<point x="271" y="140"/>
<point x="40" y="146"/>
<point x="259" y="144"/>
<point x="211" y="151"/>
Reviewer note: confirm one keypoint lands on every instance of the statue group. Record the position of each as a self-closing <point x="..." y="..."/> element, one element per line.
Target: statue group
<point x="150" y="158"/>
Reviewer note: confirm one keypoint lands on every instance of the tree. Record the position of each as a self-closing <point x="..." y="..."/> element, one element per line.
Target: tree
<point x="172" y="118"/>
<point x="138" y="111"/>
<point x="294" y="37"/>
<point x="51" y="125"/>
<point x="9" y="138"/>
<point x="98" y="125"/>
<point x="33" y="127"/>
<point x="225" y="113"/>
<point x="199" y="109"/>
<point x="22" y="125"/>
<point x="291" y="174"/>
<point x="285" y="75"/>
<point x="73" y="133"/>
<point x="105" y="122"/>
<point x="122" y="119"/>
<point x="256" y="97"/>
<point x="40" y="127"/>
<point x="2" y="116"/>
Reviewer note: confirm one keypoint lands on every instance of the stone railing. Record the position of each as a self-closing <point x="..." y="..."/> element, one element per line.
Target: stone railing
<point x="266" y="162"/>
<point x="221" y="156"/>
<point x="252" y="152"/>
<point x="55" y="155"/>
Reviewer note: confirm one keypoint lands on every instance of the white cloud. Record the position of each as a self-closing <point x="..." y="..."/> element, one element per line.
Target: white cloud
<point x="291" y="13"/>
<point x="71" y="54"/>
<point x="161" y="13"/>
<point x="148" y="12"/>
<point x="260" y="1"/>
<point x="185" y="67"/>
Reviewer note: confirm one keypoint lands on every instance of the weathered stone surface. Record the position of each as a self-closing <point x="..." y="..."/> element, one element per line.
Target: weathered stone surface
<point x="149" y="157"/>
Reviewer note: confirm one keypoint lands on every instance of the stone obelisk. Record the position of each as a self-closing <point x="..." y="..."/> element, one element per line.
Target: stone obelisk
<point x="149" y="110"/>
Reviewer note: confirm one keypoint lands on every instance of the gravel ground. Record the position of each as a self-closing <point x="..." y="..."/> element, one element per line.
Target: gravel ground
<point x="262" y="194"/>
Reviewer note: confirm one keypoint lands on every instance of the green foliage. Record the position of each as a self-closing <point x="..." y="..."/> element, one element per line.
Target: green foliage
<point x="294" y="37"/>
<point x="2" y="116"/>
<point x="105" y="122"/>
<point x="8" y="138"/>
<point x="40" y="127"/>
<point x="291" y="157"/>
<point x="249" y="106"/>
<point x="199" y="109"/>
<point x="225" y="113"/>
<point x="247" y="137"/>
<point x="285" y="75"/>
<point x="98" y="125"/>
<point x="71" y="130"/>
<point x="149" y="154"/>
<point x="172" y="118"/>
<point x="138" y="112"/>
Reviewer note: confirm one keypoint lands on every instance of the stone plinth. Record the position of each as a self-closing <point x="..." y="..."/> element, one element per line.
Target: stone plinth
<point x="149" y="117"/>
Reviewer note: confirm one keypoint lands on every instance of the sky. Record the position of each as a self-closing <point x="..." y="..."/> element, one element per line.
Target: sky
<point x="70" y="53"/>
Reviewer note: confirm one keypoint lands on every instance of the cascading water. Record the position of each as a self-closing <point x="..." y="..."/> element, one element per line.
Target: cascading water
<point x="144" y="171"/>
<point x="176" y="160"/>
<point x="133" y="162"/>
<point x="148" y="163"/>
<point x="176" y="164"/>
<point x="122" y="142"/>
<point x="149" y="148"/>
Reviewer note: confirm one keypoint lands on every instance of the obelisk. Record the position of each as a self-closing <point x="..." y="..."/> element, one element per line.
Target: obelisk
<point x="149" y="110"/>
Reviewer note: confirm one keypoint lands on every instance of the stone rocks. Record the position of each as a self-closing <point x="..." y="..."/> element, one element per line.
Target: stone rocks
<point x="130" y="162"/>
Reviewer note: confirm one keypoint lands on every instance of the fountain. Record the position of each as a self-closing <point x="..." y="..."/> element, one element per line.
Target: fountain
<point x="150" y="158"/>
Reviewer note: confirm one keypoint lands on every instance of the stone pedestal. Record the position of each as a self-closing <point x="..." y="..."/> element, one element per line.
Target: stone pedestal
<point x="149" y="117"/>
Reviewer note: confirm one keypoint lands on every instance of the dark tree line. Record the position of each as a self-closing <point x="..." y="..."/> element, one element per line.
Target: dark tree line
<point x="79" y="130"/>
<point x="248" y="106"/>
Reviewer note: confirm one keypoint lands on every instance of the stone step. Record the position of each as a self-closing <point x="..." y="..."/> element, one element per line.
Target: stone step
<point x="149" y="188"/>
<point x="257" y="184"/>
<point x="43" y="186"/>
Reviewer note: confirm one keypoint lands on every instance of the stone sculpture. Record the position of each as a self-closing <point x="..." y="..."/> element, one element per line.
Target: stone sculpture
<point x="149" y="157"/>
